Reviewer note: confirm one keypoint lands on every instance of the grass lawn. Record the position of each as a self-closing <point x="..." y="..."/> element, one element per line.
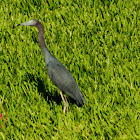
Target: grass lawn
<point x="99" y="43"/>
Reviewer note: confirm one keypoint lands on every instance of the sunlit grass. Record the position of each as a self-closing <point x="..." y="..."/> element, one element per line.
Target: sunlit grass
<point x="98" y="42"/>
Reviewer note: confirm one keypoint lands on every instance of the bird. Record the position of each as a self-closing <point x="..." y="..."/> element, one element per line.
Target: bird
<point x="57" y="72"/>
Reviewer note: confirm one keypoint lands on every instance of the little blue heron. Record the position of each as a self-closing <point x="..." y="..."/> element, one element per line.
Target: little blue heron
<point x="58" y="74"/>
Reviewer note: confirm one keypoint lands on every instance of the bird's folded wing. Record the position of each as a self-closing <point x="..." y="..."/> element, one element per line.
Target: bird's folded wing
<point x="62" y="78"/>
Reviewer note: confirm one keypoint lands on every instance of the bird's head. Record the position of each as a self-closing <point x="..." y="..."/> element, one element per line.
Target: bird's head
<point x="32" y="22"/>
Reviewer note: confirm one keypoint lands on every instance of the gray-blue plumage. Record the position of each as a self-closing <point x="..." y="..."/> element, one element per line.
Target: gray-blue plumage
<point x="62" y="78"/>
<point x="58" y="74"/>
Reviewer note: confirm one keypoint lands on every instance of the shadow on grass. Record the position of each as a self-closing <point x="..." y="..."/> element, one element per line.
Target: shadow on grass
<point x="49" y="97"/>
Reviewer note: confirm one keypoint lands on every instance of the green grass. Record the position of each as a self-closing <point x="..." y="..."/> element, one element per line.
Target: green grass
<point x="98" y="42"/>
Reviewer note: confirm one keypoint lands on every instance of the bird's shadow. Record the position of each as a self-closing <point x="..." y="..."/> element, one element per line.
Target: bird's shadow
<point x="42" y="88"/>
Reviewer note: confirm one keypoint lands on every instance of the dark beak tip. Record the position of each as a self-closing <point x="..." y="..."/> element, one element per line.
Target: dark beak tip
<point x="17" y="25"/>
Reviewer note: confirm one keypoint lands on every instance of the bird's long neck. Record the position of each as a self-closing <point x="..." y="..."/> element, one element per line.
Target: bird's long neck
<point x="41" y="35"/>
<point x="45" y="51"/>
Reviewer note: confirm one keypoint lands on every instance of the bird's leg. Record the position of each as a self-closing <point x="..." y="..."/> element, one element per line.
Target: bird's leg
<point x="64" y="98"/>
<point x="66" y="104"/>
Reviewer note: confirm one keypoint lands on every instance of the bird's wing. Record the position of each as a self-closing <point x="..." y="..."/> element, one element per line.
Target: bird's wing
<point x="62" y="78"/>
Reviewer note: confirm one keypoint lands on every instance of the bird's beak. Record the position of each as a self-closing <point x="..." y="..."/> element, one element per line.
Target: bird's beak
<point x="29" y="23"/>
<point x="24" y="24"/>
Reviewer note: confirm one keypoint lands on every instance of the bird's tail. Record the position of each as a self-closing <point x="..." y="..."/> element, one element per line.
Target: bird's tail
<point x="80" y="99"/>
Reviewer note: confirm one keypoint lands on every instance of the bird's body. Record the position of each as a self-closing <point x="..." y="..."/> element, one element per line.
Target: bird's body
<point x="58" y="74"/>
<point x="61" y="77"/>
